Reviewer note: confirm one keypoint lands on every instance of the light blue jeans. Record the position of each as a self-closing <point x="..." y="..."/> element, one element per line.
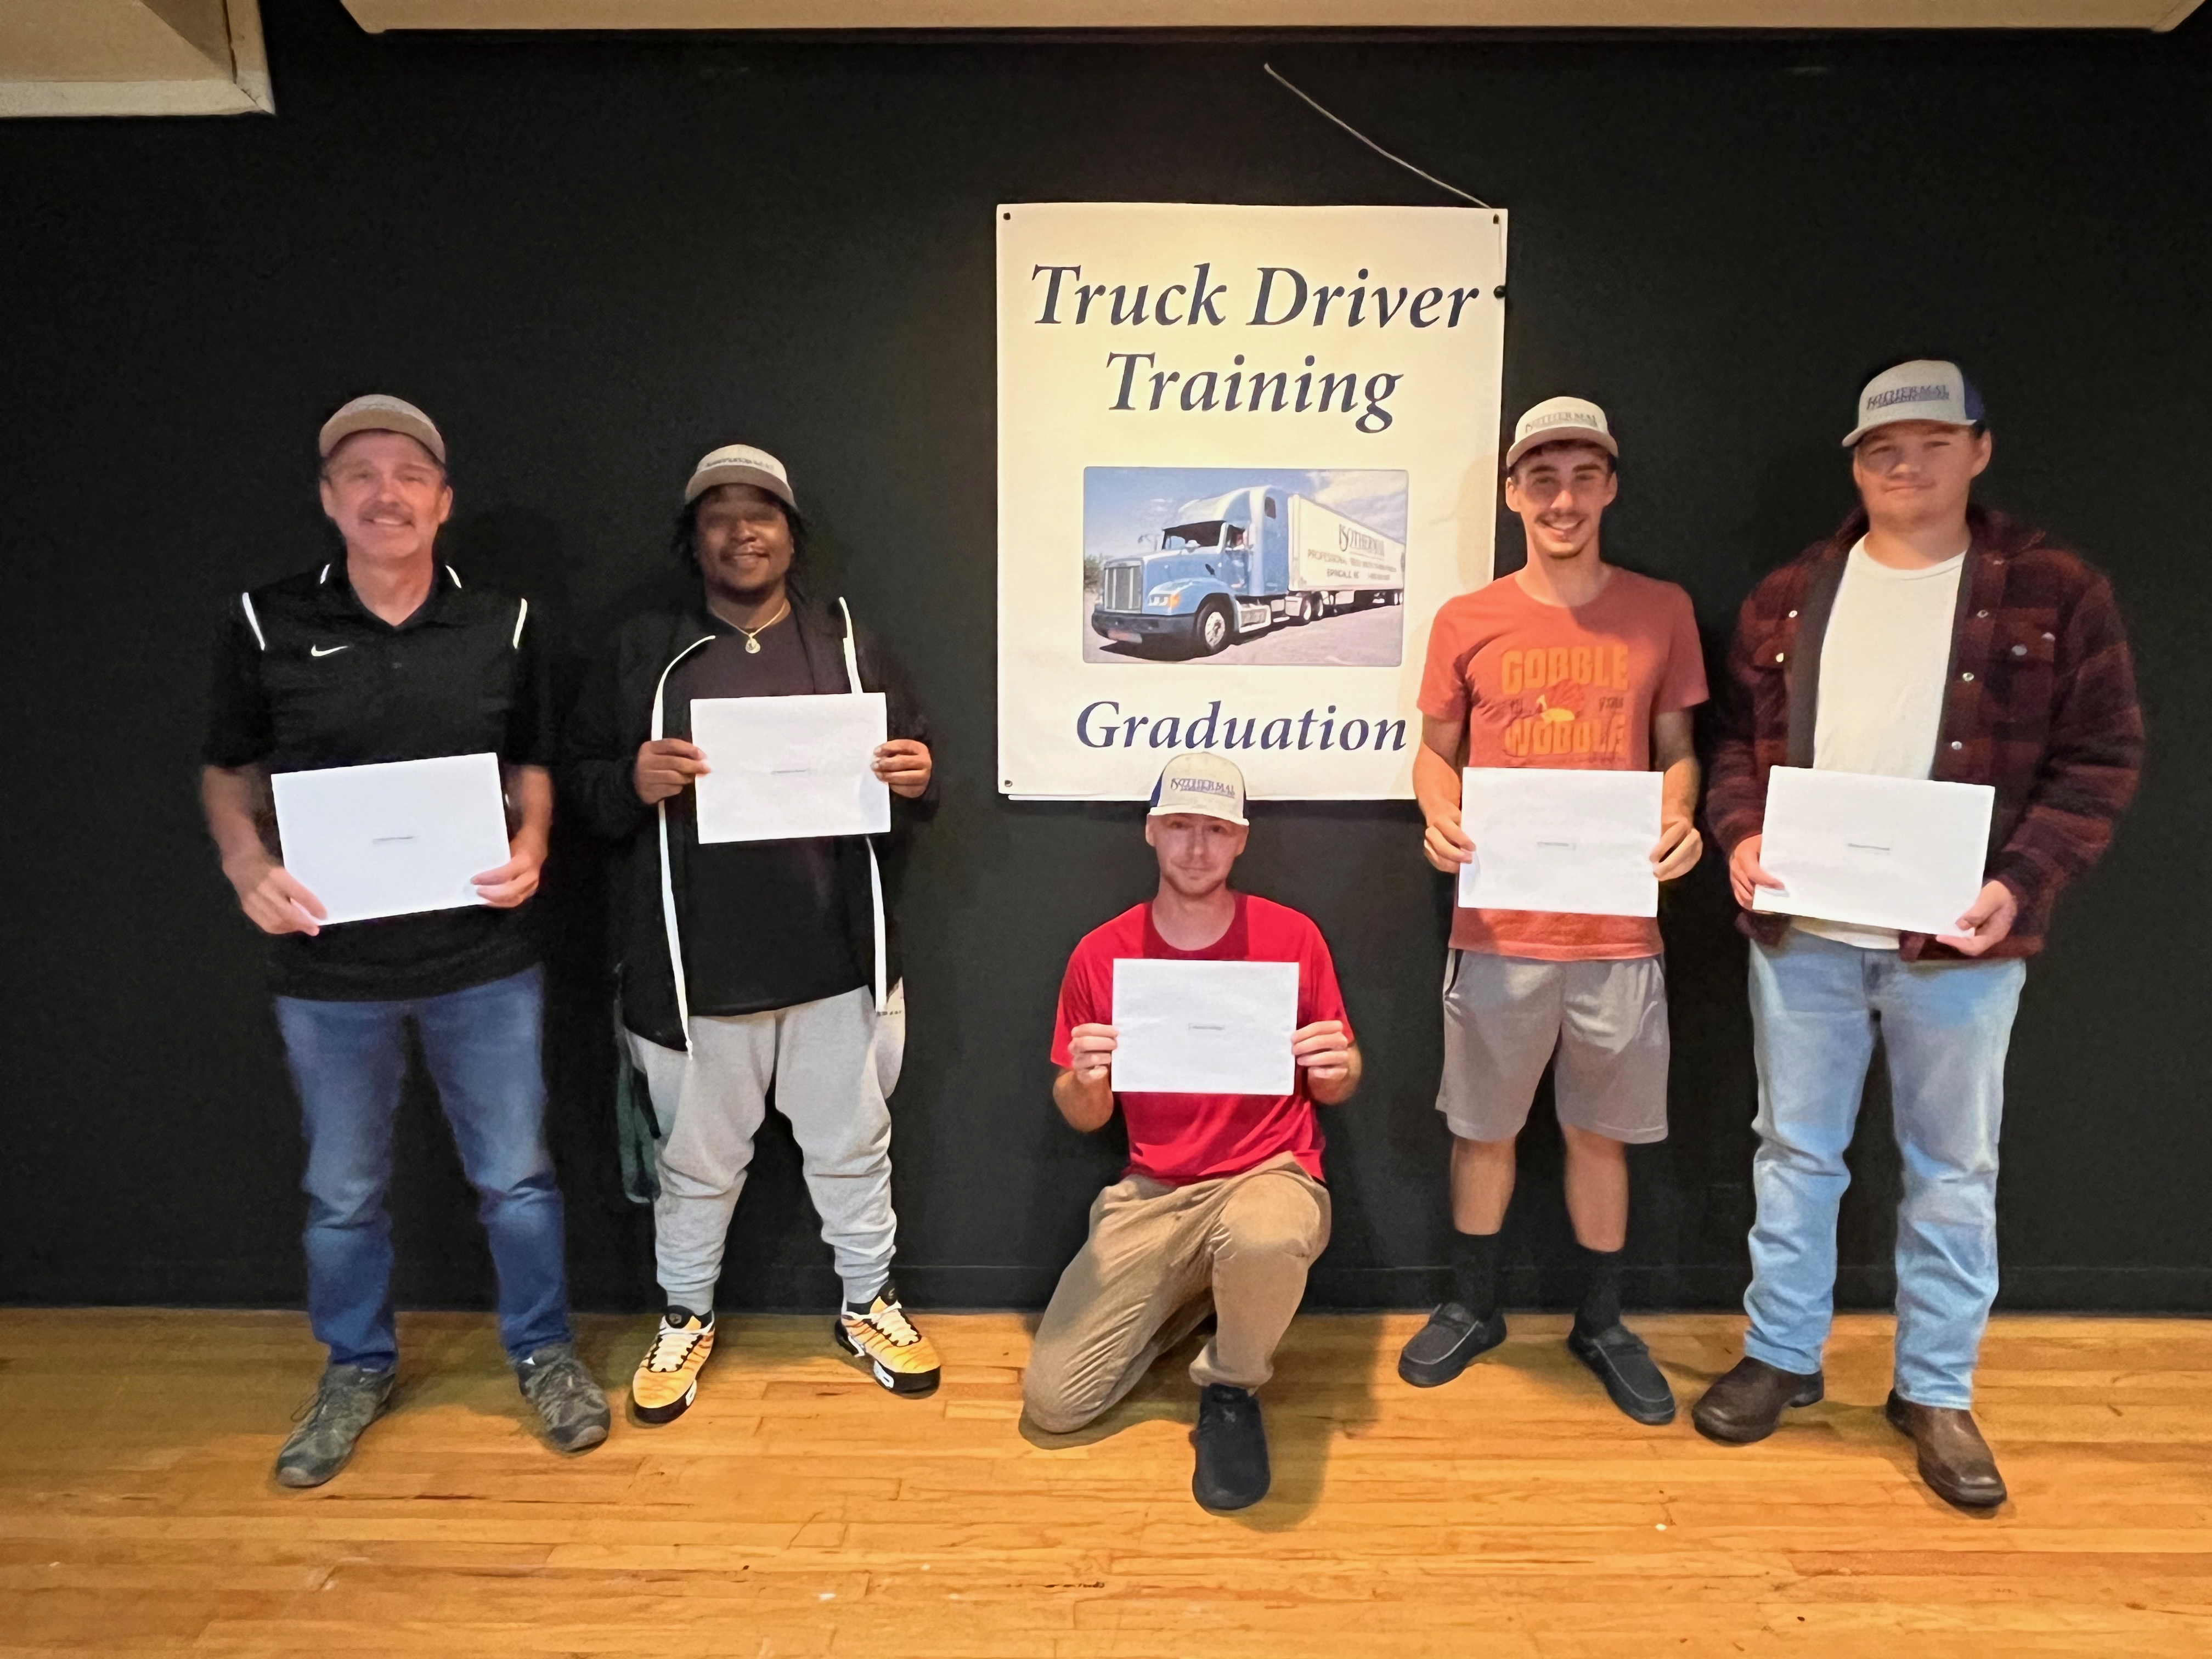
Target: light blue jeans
<point x="1945" y="1027"/>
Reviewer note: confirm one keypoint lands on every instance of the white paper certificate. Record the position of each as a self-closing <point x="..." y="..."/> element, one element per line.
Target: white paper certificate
<point x="1898" y="852"/>
<point x="785" y="767"/>
<point x="1205" y="1028"/>
<point x="392" y="839"/>
<point x="1577" y="842"/>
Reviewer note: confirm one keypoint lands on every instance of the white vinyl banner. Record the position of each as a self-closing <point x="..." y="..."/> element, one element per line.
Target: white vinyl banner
<point x="1244" y="454"/>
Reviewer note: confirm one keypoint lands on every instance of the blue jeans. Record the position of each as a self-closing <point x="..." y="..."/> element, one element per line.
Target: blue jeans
<point x="1945" y="1026"/>
<point x="348" y="1060"/>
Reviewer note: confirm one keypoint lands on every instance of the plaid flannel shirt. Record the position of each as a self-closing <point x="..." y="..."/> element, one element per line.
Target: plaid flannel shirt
<point x="2039" y="702"/>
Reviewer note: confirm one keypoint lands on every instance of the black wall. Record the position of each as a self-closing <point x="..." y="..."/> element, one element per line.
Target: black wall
<point x="593" y="258"/>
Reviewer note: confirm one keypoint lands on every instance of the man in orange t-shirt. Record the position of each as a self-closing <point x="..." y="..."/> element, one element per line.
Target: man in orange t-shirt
<point x="1569" y="662"/>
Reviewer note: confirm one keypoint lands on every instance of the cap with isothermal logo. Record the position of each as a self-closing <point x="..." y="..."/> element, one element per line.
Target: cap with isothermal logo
<point x="1561" y="419"/>
<point x="1200" y="782"/>
<point x="1926" y="389"/>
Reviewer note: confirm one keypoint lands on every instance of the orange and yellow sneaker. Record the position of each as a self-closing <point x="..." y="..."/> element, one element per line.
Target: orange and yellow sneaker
<point x="667" y="1379"/>
<point x="901" y="1358"/>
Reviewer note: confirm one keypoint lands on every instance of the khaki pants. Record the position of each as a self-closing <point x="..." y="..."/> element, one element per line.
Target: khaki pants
<point x="1141" y="1283"/>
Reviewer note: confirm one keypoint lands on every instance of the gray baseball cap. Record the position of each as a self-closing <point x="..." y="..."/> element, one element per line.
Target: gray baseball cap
<point x="1926" y="389"/>
<point x="740" y="464"/>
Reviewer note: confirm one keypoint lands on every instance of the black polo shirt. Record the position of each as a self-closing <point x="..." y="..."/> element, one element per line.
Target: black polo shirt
<point x="307" y="677"/>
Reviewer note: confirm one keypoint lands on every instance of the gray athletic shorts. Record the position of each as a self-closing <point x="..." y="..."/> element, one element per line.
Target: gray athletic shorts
<point x="1505" y="1016"/>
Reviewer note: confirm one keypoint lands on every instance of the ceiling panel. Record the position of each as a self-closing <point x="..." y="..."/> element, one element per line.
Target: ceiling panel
<point x="376" y="15"/>
<point x="132" y="58"/>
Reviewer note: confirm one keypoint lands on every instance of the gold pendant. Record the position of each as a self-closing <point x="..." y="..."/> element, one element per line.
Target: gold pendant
<point x="752" y="646"/>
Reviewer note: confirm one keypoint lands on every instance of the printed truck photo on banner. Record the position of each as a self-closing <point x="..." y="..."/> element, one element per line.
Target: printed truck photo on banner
<point x="1245" y="453"/>
<point x="1246" y="566"/>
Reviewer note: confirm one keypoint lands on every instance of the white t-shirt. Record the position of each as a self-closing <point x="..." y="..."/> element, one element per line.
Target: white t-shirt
<point x="1883" y="665"/>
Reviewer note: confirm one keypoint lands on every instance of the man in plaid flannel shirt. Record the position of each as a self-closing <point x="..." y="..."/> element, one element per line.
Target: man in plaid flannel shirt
<point x="1928" y="638"/>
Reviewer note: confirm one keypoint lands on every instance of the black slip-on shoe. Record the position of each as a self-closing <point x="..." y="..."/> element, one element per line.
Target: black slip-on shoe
<point x="1624" y="1365"/>
<point x="1232" y="1448"/>
<point x="1453" y="1339"/>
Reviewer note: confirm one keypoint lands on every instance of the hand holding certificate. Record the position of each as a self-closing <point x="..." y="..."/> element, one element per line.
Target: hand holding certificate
<point x="1878" y="852"/>
<point x="393" y="839"/>
<point x="1573" y="842"/>
<point x="1223" y="1028"/>
<point x="783" y="768"/>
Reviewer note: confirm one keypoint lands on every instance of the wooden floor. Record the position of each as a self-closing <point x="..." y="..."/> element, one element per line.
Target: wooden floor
<point x="798" y="1510"/>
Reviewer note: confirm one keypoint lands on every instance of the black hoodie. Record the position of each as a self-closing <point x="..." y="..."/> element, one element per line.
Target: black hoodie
<point x="613" y="717"/>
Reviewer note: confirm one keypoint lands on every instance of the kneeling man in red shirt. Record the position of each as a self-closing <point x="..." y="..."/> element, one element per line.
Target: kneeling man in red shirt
<point x="1222" y="1208"/>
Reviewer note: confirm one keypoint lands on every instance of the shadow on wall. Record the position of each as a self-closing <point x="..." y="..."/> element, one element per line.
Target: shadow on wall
<point x="1777" y="525"/>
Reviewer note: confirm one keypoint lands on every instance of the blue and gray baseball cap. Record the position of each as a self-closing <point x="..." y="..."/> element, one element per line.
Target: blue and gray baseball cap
<point x="1926" y="389"/>
<point x="1199" y="782"/>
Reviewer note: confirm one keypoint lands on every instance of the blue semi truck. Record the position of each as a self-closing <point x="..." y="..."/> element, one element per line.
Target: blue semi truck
<point x="1231" y="567"/>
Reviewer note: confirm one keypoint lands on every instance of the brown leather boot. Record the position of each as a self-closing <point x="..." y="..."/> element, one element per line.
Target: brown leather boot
<point x="1748" y="1403"/>
<point x="1954" y="1460"/>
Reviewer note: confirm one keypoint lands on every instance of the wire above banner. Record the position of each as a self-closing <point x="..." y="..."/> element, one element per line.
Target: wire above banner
<point x="1244" y="454"/>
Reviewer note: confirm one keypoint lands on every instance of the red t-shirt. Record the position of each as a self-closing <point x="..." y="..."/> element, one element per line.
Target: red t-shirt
<point x="1179" y="1139"/>
<point x="1565" y="686"/>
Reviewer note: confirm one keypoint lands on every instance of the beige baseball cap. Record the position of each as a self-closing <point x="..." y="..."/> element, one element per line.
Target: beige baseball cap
<point x="380" y="413"/>
<point x="1561" y="419"/>
<point x="1199" y="782"/>
<point x="740" y="464"/>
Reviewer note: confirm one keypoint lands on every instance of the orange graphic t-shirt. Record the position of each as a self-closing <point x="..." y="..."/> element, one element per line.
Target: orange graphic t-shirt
<point x="1567" y="686"/>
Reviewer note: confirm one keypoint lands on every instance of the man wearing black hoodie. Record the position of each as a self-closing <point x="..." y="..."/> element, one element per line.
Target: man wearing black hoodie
<point x="748" y="964"/>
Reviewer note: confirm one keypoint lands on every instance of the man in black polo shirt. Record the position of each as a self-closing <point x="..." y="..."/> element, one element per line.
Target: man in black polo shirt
<point x="385" y="656"/>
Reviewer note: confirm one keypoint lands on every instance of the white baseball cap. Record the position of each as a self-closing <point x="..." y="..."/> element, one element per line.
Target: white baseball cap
<point x="378" y="413"/>
<point x="1559" y="420"/>
<point x="1925" y="389"/>
<point x="740" y="464"/>
<point x="1199" y="782"/>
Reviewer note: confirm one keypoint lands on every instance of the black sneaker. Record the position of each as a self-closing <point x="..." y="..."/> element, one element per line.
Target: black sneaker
<point x="1232" y="1448"/>
<point x="1623" y="1364"/>
<point x="347" y="1400"/>
<point x="1453" y="1339"/>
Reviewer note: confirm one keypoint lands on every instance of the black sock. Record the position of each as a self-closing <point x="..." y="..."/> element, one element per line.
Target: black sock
<point x="1474" y="1272"/>
<point x="1601" y="1306"/>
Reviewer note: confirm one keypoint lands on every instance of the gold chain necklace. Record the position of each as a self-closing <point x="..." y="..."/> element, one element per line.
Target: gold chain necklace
<point x="752" y="635"/>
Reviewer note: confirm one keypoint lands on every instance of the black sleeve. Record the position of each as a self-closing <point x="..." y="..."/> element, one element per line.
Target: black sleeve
<point x="599" y="752"/>
<point x="531" y="734"/>
<point x="881" y="670"/>
<point x="239" y="729"/>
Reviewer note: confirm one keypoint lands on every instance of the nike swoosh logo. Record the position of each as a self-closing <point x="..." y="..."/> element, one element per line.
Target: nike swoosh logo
<point x="318" y="651"/>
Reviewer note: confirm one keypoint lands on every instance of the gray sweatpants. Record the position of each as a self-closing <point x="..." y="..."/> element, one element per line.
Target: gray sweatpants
<point x="710" y="1103"/>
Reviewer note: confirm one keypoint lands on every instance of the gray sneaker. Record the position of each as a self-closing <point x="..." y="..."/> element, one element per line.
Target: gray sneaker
<point x="573" y="1407"/>
<point x="347" y="1400"/>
